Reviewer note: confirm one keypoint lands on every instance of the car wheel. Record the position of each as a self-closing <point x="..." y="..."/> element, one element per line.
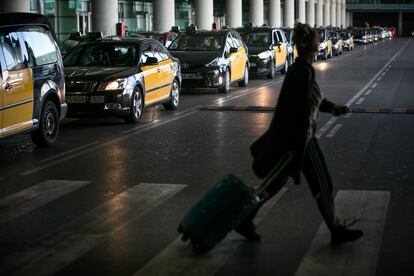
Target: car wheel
<point x="174" y="96"/>
<point x="137" y="107"/>
<point x="325" y="55"/>
<point x="48" y="129"/>
<point x="285" y="68"/>
<point x="271" y="74"/>
<point x="245" y="80"/>
<point x="226" y="85"/>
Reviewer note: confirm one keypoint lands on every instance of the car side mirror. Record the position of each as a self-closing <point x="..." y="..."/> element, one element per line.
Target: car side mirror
<point x="233" y="50"/>
<point x="151" y="61"/>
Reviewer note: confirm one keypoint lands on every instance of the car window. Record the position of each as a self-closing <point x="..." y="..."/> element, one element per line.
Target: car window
<point x="163" y="52"/>
<point x="237" y="39"/>
<point x="12" y="51"/>
<point x="158" y="53"/>
<point x="101" y="55"/>
<point x="281" y="37"/>
<point x="146" y="52"/>
<point x="257" y="38"/>
<point x="40" y="46"/>
<point x="198" y="42"/>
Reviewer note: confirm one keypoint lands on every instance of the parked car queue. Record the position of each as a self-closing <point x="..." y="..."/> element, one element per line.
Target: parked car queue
<point x="118" y="76"/>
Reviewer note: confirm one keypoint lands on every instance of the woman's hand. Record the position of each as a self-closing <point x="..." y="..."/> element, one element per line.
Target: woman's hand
<point x="339" y="110"/>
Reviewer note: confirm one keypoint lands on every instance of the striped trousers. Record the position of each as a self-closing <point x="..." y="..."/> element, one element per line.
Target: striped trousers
<point x="319" y="180"/>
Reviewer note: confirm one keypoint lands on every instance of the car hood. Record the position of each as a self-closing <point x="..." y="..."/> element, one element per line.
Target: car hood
<point x="97" y="73"/>
<point x="195" y="58"/>
<point x="255" y="50"/>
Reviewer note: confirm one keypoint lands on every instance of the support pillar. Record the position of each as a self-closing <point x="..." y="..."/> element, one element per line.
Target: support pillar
<point x="204" y="14"/>
<point x="319" y="13"/>
<point x="333" y="13"/>
<point x="104" y="16"/>
<point x="15" y="6"/>
<point x="400" y="23"/>
<point x="275" y="13"/>
<point x="234" y="13"/>
<point x="339" y="13"/>
<point x="289" y="13"/>
<point x="256" y="12"/>
<point x="164" y="15"/>
<point x="327" y="13"/>
<point x="302" y="11"/>
<point x="344" y="13"/>
<point x="310" y="19"/>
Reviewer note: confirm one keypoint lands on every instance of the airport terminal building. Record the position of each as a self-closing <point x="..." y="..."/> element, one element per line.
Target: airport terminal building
<point x="159" y="15"/>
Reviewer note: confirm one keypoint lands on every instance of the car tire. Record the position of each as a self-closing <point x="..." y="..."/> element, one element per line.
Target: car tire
<point x="226" y="85"/>
<point x="325" y="55"/>
<point x="271" y="74"/>
<point x="245" y="81"/>
<point x="285" y="68"/>
<point x="48" y="129"/>
<point x="172" y="104"/>
<point x="137" y="107"/>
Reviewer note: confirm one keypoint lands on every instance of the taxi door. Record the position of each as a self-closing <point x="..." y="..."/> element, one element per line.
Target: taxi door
<point x="166" y="69"/>
<point x="151" y="74"/>
<point x="17" y="86"/>
<point x="1" y="97"/>
<point x="281" y="49"/>
<point x="237" y="59"/>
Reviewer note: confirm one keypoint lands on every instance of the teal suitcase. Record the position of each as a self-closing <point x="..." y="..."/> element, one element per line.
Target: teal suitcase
<point x="223" y="208"/>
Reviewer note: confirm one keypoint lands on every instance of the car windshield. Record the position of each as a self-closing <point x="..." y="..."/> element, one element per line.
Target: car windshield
<point x="102" y="55"/>
<point x="321" y="35"/>
<point x="359" y="33"/>
<point x="345" y="35"/>
<point x="197" y="42"/>
<point x="257" y="38"/>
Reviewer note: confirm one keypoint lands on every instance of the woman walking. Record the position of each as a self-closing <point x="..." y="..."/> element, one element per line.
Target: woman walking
<point x="292" y="130"/>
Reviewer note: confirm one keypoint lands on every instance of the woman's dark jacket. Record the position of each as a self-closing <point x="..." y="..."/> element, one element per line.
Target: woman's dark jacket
<point x="293" y="123"/>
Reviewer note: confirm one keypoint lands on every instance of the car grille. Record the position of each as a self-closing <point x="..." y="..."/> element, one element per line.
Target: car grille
<point x="80" y="86"/>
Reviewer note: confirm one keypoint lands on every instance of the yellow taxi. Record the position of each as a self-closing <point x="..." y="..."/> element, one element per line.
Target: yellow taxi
<point x="325" y="49"/>
<point x="120" y="77"/>
<point x="213" y="59"/>
<point x="268" y="50"/>
<point x="32" y="89"/>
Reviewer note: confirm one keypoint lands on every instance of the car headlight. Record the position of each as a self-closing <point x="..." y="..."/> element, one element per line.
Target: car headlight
<point x="116" y="84"/>
<point x="214" y="62"/>
<point x="264" y="55"/>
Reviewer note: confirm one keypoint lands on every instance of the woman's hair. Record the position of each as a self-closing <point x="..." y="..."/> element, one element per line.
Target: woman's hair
<point x="305" y="39"/>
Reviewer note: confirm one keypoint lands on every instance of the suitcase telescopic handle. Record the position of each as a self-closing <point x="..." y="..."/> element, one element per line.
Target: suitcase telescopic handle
<point x="277" y="171"/>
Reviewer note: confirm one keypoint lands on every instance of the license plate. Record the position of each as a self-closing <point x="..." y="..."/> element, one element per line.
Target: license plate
<point x="97" y="99"/>
<point x="192" y="76"/>
<point x="252" y="64"/>
<point x="76" y="99"/>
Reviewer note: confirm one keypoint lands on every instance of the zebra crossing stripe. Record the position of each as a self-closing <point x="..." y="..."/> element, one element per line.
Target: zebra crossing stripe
<point x="356" y="258"/>
<point x="178" y="260"/>
<point x="36" y="196"/>
<point x="88" y="231"/>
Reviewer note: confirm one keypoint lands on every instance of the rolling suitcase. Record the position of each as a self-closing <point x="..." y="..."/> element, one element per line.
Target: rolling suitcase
<point x="224" y="207"/>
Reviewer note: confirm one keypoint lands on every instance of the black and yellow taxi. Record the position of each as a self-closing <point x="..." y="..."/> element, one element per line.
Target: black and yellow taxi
<point x="211" y="58"/>
<point x="32" y="84"/>
<point x="268" y="50"/>
<point x="347" y="39"/>
<point x="325" y="49"/>
<point x="120" y="77"/>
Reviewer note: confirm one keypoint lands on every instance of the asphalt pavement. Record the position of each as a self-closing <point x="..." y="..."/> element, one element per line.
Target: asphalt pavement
<point x="108" y="197"/>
